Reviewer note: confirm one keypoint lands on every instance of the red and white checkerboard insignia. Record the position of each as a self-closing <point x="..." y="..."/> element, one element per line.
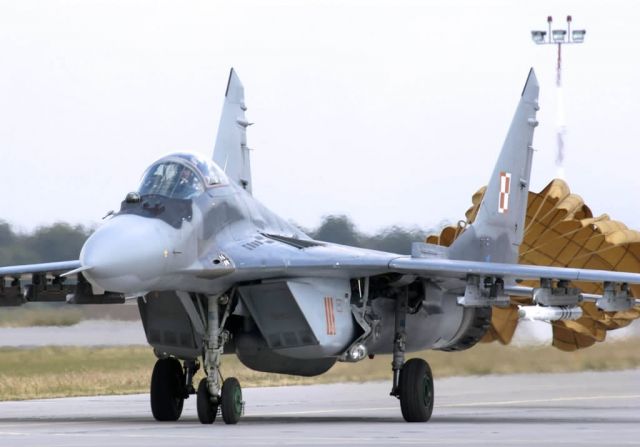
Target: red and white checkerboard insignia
<point x="505" y="187"/>
<point x="330" y="316"/>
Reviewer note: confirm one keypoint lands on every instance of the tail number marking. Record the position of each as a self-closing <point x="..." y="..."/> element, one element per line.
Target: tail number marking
<point x="505" y="187"/>
<point x="330" y="316"/>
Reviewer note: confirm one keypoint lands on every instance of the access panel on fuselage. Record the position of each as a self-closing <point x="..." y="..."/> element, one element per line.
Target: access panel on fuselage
<point x="302" y="318"/>
<point x="167" y="325"/>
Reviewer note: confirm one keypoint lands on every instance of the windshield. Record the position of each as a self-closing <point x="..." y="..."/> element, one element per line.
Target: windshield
<point x="207" y="169"/>
<point x="171" y="179"/>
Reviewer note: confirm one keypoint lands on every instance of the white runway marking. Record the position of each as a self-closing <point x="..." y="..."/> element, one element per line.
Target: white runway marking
<point x="535" y="401"/>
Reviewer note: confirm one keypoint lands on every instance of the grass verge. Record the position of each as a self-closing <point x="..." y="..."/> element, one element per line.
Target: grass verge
<point x="79" y="371"/>
<point x="60" y="314"/>
<point x="40" y="316"/>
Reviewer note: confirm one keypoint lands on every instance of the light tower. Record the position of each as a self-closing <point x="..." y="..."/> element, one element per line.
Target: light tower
<point x="559" y="37"/>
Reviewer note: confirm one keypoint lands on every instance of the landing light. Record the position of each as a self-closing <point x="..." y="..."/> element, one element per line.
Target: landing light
<point x="358" y="352"/>
<point x="132" y="197"/>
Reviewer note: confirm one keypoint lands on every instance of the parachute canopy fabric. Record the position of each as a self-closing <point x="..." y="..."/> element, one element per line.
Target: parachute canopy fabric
<point x="560" y="230"/>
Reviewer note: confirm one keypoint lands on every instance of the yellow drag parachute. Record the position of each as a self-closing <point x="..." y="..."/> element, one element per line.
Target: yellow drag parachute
<point x="560" y="231"/>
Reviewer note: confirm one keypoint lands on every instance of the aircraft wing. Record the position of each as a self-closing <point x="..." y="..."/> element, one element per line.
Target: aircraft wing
<point x="61" y="281"/>
<point x="460" y="269"/>
<point x="47" y="267"/>
<point x="337" y="260"/>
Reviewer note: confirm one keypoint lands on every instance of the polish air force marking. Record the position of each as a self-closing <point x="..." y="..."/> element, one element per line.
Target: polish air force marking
<point x="505" y="187"/>
<point x="330" y="316"/>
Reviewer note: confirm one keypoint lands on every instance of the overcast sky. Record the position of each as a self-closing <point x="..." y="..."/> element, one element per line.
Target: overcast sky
<point x="392" y="112"/>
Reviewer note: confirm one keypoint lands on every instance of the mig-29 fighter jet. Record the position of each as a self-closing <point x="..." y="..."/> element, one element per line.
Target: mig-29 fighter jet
<point x="215" y="272"/>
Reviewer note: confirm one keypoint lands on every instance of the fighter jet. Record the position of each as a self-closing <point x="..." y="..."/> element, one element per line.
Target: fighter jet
<point x="215" y="272"/>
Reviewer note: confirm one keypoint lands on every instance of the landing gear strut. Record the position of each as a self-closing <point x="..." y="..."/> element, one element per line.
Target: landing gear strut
<point x="212" y="391"/>
<point x="412" y="380"/>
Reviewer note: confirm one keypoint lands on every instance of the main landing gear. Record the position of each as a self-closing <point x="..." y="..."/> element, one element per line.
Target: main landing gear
<point x="412" y="380"/>
<point x="167" y="390"/>
<point x="171" y="383"/>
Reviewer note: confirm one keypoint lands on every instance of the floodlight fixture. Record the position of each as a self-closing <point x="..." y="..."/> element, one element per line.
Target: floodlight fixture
<point x="577" y="35"/>
<point x="539" y="36"/>
<point x="558" y="35"/>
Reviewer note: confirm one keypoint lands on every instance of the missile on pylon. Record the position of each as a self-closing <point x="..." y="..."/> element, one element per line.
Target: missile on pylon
<point x="549" y="313"/>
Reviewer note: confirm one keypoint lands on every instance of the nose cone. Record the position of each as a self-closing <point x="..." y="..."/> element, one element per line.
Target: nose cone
<point x="128" y="254"/>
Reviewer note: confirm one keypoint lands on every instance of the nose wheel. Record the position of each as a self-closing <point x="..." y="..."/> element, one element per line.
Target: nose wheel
<point x="207" y="405"/>
<point x="230" y="402"/>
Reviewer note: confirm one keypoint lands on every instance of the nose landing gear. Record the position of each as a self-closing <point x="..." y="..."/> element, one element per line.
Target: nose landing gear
<point x="171" y="383"/>
<point x="211" y="394"/>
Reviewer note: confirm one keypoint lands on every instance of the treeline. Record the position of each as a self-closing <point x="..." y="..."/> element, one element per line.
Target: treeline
<point x="341" y="230"/>
<point x="56" y="242"/>
<point x="61" y="241"/>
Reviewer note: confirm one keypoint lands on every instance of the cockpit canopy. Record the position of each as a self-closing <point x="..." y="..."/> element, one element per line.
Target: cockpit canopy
<point x="181" y="176"/>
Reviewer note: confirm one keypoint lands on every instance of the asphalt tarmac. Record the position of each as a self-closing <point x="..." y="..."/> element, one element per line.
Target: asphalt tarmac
<point x="85" y="333"/>
<point x="122" y="333"/>
<point x="582" y="409"/>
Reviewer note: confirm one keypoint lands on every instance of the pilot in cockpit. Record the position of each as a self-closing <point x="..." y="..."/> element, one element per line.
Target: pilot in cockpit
<point x="171" y="179"/>
<point x="188" y="185"/>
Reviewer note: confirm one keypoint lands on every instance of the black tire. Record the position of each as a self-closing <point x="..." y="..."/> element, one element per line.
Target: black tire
<point x="231" y="401"/>
<point x="167" y="390"/>
<point x="207" y="410"/>
<point x="416" y="391"/>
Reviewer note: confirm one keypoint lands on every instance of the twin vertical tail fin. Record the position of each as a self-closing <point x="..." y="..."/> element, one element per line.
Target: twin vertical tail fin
<point x="497" y="232"/>
<point x="231" y="152"/>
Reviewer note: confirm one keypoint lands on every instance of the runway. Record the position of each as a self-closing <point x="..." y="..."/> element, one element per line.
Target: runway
<point x="125" y="333"/>
<point x="543" y="409"/>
